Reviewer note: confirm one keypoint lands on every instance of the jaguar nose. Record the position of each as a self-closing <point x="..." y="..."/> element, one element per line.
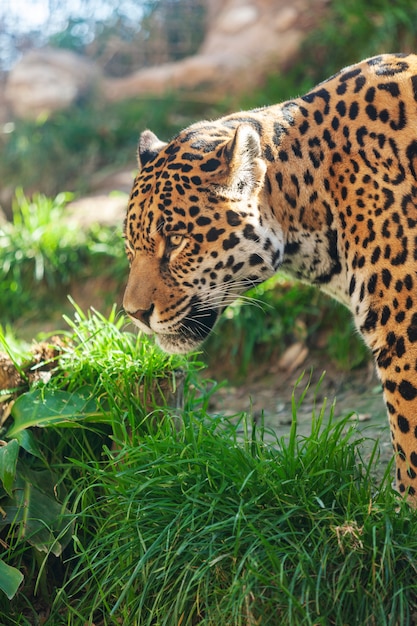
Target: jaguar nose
<point x="142" y="315"/>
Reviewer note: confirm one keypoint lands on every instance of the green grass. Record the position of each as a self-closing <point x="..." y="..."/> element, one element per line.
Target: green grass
<point x="42" y="255"/>
<point x="122" y="510"/>
<point x="212" y="525"/>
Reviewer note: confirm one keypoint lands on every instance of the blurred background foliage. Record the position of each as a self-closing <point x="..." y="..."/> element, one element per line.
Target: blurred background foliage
<point x="165" y="31"/>
<point x="47" y="153"/>
<point x="120" y="37"/>
<point x="63" y="151"/>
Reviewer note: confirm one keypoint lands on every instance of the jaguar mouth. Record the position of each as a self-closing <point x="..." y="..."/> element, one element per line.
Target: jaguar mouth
<point x="199" y="321"/>
<point x="192" y="331"/>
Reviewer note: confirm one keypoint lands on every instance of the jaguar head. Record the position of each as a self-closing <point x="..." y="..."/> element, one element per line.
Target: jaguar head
<point x="196" y="231"/>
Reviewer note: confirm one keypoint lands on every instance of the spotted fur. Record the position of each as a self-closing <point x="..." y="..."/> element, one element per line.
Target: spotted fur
<point x="323" y="186"/>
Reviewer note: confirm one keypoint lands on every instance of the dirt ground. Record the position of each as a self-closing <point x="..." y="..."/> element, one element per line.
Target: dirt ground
<point x="269" y="395"/>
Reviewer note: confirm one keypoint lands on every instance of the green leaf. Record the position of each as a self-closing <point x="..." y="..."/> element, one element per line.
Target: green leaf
<point x="10" y="579"/>
<point x="28" y="442"/>
<point x="43" y="521"/>
<point x="43" y="408"/>
<point x="8" y="462"/>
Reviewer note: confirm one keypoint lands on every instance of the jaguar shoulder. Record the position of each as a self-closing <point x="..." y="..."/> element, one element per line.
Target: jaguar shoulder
<point x="323" y="186"/>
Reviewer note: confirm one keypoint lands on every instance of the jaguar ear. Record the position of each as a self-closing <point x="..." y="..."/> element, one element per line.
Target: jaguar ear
<point x="148" y="148"/>
<point x="246" y="169"/>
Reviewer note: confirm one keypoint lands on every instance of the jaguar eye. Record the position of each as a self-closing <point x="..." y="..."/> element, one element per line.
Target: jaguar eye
<point x="175" y="240"/>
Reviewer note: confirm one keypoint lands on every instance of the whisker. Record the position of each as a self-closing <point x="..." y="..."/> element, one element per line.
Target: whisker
<point x="198" y="323"/>
<point x="217" y="300"/>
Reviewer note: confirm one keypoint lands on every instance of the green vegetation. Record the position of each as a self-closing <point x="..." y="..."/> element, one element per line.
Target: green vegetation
<point x="198" y="519"/>
<point x="42" y="254"/>
<point x="122" y="504"/>
<point x="215" y="528"/>
<point x="105" y="384"/>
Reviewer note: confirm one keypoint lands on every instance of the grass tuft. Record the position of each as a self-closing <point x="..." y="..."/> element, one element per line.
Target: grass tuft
<point x="206" y="526"/>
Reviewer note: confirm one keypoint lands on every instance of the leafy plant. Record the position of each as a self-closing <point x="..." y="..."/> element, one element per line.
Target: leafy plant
<point x="10" y="579"/>
<point x="39" y="247"/>
<point x="106" y="384"/>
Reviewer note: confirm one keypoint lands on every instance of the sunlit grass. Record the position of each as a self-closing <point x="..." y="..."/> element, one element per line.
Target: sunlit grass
<point x="206" y="526"/>
<point x="170" y="515"/>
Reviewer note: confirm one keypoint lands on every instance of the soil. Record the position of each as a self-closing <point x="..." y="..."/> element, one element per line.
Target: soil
<point x="269" y="397"/>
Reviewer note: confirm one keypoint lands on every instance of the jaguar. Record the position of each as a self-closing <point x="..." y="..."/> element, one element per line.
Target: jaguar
<point x="323" y="187"/>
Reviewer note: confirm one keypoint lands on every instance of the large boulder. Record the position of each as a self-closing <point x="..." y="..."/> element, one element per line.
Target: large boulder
<point x="47" y="80"/>
<point x="245" y="40"/>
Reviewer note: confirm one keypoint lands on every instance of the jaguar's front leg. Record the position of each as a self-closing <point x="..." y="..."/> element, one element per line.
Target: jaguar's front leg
<point x="396" y="362"/>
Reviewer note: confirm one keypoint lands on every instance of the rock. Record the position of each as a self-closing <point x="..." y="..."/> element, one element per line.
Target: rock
<point x="286" y="19"/>
<point x="245" y="41"/>
<point x="107" y="203"/>
<point x="47" y="80"/>
<point x="293" y="357"/>
<point x="236" y="19"/>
